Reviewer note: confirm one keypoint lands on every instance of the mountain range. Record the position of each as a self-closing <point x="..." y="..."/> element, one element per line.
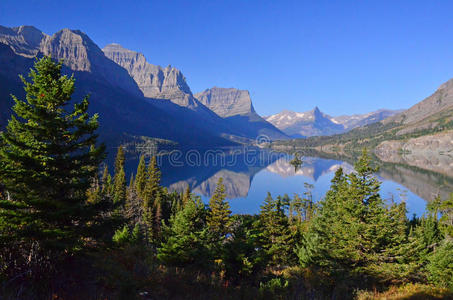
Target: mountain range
<point x="133" y="97"/>
<point x="317" y="123"/>
<point x="415" y="135"/>
<point x="136" y="99"/>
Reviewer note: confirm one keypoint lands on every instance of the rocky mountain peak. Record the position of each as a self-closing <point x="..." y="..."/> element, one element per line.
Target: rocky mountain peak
<point x="74" y="47"/>
<point x="23" y="40"/>
<point x="80" y="53"/>
<point x="317" y="114"/>
<point x="31" y="34"/>
<point x="154" y="81"/>
<point x="227" y="102"/>
<point x="315" y="122"/>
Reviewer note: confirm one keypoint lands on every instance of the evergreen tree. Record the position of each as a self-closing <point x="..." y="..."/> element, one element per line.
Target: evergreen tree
<point x="440" y="266"/>
<point x="187" y="195"/>
<point x="354" y="232"/>
<point x="185" y="243"/>
<point x="131" y="182"/>
<point x="119" y="180"/>
<point x="278" y="239"/>
<point x="218" y="219"/>
<point x="134" y="206"/>
<point x="48" y="159"/>
<point x="140" y="179"/>
<point x="243" y="254"/>
<point x="150" y="192"/>
<point x="158" y="215"/>
<point x="106" y="181"/>
<point x="438" y="251"/>
<point x="152" y="186"/>
<point x="446" y="219"/>
<point x="94" y="193"/>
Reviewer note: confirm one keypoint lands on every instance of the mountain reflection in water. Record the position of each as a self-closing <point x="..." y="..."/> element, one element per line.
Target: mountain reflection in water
<point x="249" y="174"/>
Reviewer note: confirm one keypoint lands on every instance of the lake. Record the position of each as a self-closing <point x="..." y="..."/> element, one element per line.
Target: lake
<point x="249" y="173"/>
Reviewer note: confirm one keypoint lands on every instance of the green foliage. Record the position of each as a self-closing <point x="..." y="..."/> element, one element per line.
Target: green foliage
<point x="48" y="158"/>
<point x="440" y="266"/>
<point x="140" y="178"/>
<point x="243" y="255"/>
<point x="185" y="242"/>
<point x="122" y="236"/>
<point x="218" y="219"/>
<point x="152" y="185"/>
<point x="106" y="182"/>
<point x="355" y="233"/>
<point x="125" y="236"/>
<point x="186" y="196"/>
<point x="50" y="195"/>
<point x="119" y="180"/>
<point x="275" y="288"/>
<point x="446" y="210"/>
<point x="278" y="239"/>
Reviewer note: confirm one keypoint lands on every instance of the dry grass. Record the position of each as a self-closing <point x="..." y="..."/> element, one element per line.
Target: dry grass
<point x="409" y="292"/>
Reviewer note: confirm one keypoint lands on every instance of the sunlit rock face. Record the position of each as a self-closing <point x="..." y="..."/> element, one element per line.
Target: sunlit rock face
<point x="124" y="111"/>
<point x="236" y="107"/>
<point x="227" y="102"/>
<point x="77" y="51"/>
<point x="154" y="81"/>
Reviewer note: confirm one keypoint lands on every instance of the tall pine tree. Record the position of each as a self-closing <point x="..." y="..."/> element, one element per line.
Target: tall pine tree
<point x="277" y="238"/>
<point x="48" y="158"/>
<point x="119" y="180"/>
<point x="218" y="219"/>
<point x="354" y="232"/>
<point x="140" y="178"/>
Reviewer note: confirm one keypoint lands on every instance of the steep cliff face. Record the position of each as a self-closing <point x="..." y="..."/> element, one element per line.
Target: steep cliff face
<point x="123" y="110"/>
<point x="23" y="40"/>
<point x="117" y="85"/>
<point x="236" y="107"/>
<point x="75" y="48"/>
<point x="154" y="81"/>
<point x="227" y="102"/>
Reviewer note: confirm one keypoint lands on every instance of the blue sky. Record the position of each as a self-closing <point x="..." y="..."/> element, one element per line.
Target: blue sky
<point x="343" y="56"/>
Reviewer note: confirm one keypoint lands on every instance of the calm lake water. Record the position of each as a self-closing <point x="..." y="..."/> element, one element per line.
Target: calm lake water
<point x="249" y="174"/>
